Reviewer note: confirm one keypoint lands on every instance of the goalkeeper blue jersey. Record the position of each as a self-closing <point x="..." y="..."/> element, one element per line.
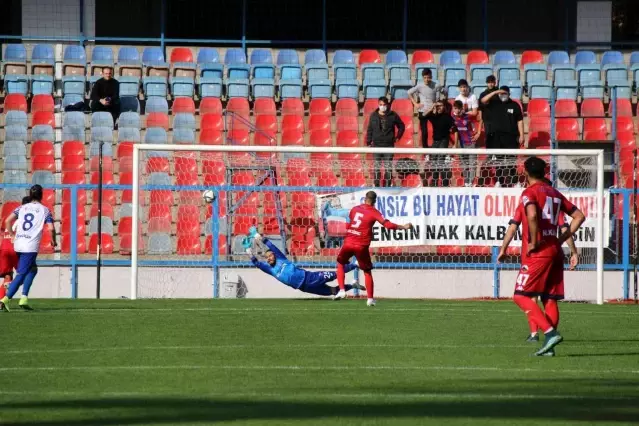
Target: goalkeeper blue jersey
<point x="284" y="270"/>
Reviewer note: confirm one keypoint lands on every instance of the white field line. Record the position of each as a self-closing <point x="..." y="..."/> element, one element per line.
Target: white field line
<point x="302" y="368"/>
<point x="317" y="395"/>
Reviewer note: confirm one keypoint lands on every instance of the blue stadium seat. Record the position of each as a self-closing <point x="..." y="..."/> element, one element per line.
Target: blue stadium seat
<point x="129" y="86"/>
<point x="562" y="73"/>
<point x="42" y="57"/>
<point x="287" y="56"/>
<point x="585" y="57"/>
<point x="634" y="58"/>
<point x="592" y="89"/>
<point x="348" y="89"/>
<point x="128" y="55"/>
<point x="129" y="120"/>
<point x="16" y="83"/>
<point x="634" y="73"/>
<point x="154" y="86"/>
<point x="69" y="100"/>
<point x="615" y="72"/>
<point x="588" y="73"/>
<point x="419" y="67"/>
<point x="452" y="90"/>
<point x="290" y="72"/>
<point x="234" y="55"/>
<point x="182" y="86"/>
<point x="107" y="148"/>
<point x="314" y="56"/>
<point x="157" y="105"/>
<point x="159" y="178"/>
<point x="344" y="72"/>
<point x="74" y="54"/>
<point x="210" y="87"/>
<point x="261" y="56"/>
<point x="319" y="88"/>
<point x="291" y="88"/>
<point x="612" y="57"/>
<point x="504" y="57"/>
<point x="15" y="162"/>
<point x="129" y="104"/>
<point x="153" y="56"/>
<point x="102" y="134"/>
<point x="106" y="225"/>
<point x="567" y="89"/>
<point x="73" y="85"/>
<point x="241" y="71"/>
<point x="16" y="118"/>
<point x="14" y="68"/>
<point x="42" y="177"/>
<point x="212" y="70"/>
<point x="508" y="73"/>
<point x="184" y="136"/>
<point x="208" y="55"/>
<point x="15" y="53"/>
<point x="237" y="87"/>
<point x="479" y="72"/>
<point x="398" y="72"/>
<point x="184" y="121"/>
<point x="343" y="57"/>
<point x="15" y="176"/>
<point x="372" y="72"/>
<point x="102" y="119"/>
<point x="73" y="119"/>
<point x="535" y="72"/>
<point x="155" y="135"/>
<point x="316" y="72"/>
<point x="41" y="84"/>
<point x="159" y="243"/>
<point x="454" y="73"/>
<point x="42" y="132"/>
<point x="14" y="148"/>
<point x="477" y="88"/>
<point x="621" y="89"/>
<point x="373" y="89"/>
<point x="102" y="55"/>
<point x="396" y="57"/>
<point x="449" y="57"/>
<point x="399" y="88"/>
<point x="128" y="134"/>
<point x="73" y="134"/>
<point x="15" y="133"/>
<point x="558" y="57"/>
<point x="263" y="87"/>
<point x="540" y="90"/>
<point x="262" y="64"/>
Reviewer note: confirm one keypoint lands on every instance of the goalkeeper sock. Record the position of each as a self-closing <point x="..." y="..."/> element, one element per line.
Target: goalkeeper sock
<point x="368" y="281"/>
<point x="341" y="276"/>
<point x="532" y="311"/>
<point x="551" y="309"/>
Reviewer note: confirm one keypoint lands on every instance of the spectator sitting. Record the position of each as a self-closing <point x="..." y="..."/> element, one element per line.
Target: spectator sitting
<point x="443" y="126"/>
<point x="105" y="95"/>
<point x="381" y="134"/>
<point x="469" y="100"/>
<point x="428" y="93"/>
<point x="465" y="137"/>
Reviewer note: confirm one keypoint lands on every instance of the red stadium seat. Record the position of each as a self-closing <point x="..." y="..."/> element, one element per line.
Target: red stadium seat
<point x="43" y="148"/>
<point x="43" y="162"/>
<point x="370" y="105"/>
<point x="81" y="243"/>
<point x="353" y="179"/>
<point x="292" y="138"/>
<point x="15" y="102"/>
<point x="449" y="250"/>
<point x="567" y="124"/>
<point x="321" y="138"/>
<point x="157" y="119"/>
<point x="539" y="140"/>
<point x="107" y="244"/>
<point x="266" y="123"/>
<point x="567" y="135"/>
<point x="73" y="163"/>
<point x="595" y="135"/>
<point x="478" y="250"/>
<point x="346" y="107"/>
<point x="185" y="164"/>
<point x="477" y="57"/>
<point x="262" y="139"/>
<point x="303" y="240"/>
<point x="75" y="148"/>
<point x="246" y="215"/>
<point x="565" y="108"/>
<point x="238" y="137"/>
<point x="320" y="106"/>
<point x="181" y="54"/>
<point x="532" y="57"/>
<point x="212" y="121"/>
<point x="183" y="104"/>
<point x="161" y="214"/>
<point x="214" y="172"/>
<point x="108" y="195"/>
<point x="126" y="178"/>
<point x="292" y="122"/>
<point x="188" y="220"/>
<point x="189" y="245"/>
<point x="539" y="124"/>
<point x="327" y="178"/>
<point x="43" y="118"/>
<point x="408" y="125"/>
<point x="292" y="107"/>
<point x="538" y="108"/>
<point x="48" y="198"/>
<point x="422" y="57"/>
<point x="412" y="181"/>
<point x="303" y="207"/>
<point x="243" y="179"/>
<point x="347" y="123"/>
<point x="7" y="209"/>
<point x="595" y="125"/>
<point x="211" y="105"/>
<point x="592" y="108"/>
<point x="186" y="178"/>
<point x="406" y="141"/>
<point x="369" y="56"/>
<point x="297" y="172"/>
<point x="45" y="243"/>
<point x="347" y="139"/>
<point x="624" y="108"/>
<point x="42" y="103"/>
<point x="625" y="124"/>
<point x="239" y="120"/>
<point x="94" y="163"/>
<point x="211" y="137"/>
<point x="157" y="165"/>
<point x="107" y="210"/>
<point x="264" y="106"/>
<point x="402" y="107"/>
<point x="222" y="245"/>
<point x="65" y="225"/>
<point x="319" y="122"/>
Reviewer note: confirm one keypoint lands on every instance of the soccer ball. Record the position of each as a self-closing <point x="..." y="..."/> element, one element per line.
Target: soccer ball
<point x="208" y="196"/>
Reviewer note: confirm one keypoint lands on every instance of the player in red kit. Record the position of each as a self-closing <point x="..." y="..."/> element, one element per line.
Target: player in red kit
<point x="542" y="260"/>
<point x="357" y="241"/>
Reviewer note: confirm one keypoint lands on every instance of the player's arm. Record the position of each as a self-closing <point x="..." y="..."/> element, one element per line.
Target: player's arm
<point x="510" y="234"/>
<point x="49" y="222"/>
<point x="390" y="225"/>
<point x="574" y="254"/>
<point x="263" y="266"/>
<point x="272" y="247"/>
<point x="576" y="222"/>
<point x="533" y="226"/>
<point x="8" y="223"/>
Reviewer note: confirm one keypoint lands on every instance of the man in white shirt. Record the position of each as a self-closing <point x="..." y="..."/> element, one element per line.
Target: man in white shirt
<point x="469" y="100"/>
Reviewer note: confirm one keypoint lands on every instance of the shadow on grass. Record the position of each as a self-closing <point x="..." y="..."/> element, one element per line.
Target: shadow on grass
<point x="162" y="410"/>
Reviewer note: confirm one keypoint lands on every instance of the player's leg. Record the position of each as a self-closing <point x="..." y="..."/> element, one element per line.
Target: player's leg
<point x="25" y="263"/>
<point x="530" y="284"/>
<point x="554" y="292"/>
<point x="343" y="259"/>
<point x="365" y="263"/>
<point x="316" y="283"/>
<point x="26" y="287"/>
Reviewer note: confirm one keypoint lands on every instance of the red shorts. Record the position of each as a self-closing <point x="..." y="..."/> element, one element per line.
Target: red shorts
<point x="8" y="258"/>
<point x="361" y="253"/>
<point x="541" y="276"/>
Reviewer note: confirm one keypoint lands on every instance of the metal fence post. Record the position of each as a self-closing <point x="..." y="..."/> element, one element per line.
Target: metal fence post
<point x="215" y="241"/>
<point x="496" y="274"/>
<point x="74" y="242"/>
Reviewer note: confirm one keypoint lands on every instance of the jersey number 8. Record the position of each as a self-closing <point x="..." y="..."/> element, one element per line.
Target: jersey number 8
<point x="28" y="221"/>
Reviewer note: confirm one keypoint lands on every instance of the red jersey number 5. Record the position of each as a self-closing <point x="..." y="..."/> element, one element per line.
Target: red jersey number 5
<point x="357" y="220"/>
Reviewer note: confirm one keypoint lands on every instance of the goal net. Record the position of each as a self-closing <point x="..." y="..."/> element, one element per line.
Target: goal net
<point x="460" y="202"/>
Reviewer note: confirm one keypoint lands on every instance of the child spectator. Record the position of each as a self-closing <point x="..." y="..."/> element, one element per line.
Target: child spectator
<point x="465" y="137"/>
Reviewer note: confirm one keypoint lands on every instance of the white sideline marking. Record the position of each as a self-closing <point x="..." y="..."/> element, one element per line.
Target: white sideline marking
<point x="297" y="395"/>
<point x="309" y="368"/>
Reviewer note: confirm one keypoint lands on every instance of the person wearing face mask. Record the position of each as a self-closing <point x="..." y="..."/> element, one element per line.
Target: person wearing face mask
<point x="506" y="130"/>
<point x="381" y="134"/>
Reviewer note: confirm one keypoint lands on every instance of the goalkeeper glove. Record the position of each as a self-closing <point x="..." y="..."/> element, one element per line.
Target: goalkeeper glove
<point x="249" y="251"/>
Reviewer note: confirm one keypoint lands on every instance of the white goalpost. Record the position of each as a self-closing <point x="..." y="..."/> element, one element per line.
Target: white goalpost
<point x="460" y="199"/>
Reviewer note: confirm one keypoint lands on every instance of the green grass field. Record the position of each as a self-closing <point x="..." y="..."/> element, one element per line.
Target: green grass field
<point x="313" y="362"/>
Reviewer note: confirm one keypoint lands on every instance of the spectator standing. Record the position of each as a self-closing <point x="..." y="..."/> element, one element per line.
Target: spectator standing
<point x="381" y="134"/>
<point x="468" y="100"/>
<point x="507" y="127"/>
<point x="443" y="126"/>
<point x="491" y="86"/>
<point x="105" y="95"/>
<point x="467" y="134"/>
<point x="427" y="94"/>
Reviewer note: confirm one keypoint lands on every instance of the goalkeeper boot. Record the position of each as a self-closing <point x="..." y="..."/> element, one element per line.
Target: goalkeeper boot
<point x="340" y="295"/>
<point x="24" y="303"/>
<point x="370" y="302"/>
<point x="553" y="338"/>
<point x="4" y="304"/>
<point x="532" y="339"/>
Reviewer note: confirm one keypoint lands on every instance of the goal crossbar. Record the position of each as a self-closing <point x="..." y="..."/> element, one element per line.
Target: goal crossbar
<point x="594" y="153"/>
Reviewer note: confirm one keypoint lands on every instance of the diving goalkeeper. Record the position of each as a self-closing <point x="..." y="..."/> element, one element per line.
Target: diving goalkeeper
<point x="286" y="272"/>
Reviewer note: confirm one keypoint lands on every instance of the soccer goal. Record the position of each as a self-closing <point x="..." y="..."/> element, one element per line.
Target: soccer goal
<point x="460" y="202"/>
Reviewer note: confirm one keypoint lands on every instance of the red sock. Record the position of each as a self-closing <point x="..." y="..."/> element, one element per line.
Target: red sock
<point x="3" y="288"/>
<point x="368" y="281"/>
<point x="551" y="309"/>
<point x="532" y="325"/>
<point x="341" y="276"/>
<point x="532" y="311"/>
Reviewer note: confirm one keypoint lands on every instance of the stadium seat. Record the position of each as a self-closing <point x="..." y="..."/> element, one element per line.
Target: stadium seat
<point x="343" y="57"/>
<point x="212" y="121"/>
<point x="322" y="107"/>
<point x="16" y="118"/>
<point x="45" y="132"/>
<point x="153" y="62"/>
<point x="182" y="62"/>
<point x="565" y="108"/>
<point x="422" y="57"/>
<point x="183" y="104"/>
<point x="478" y="74"/>
<point x="625" y="124"/>
<point x="319" y="88"/>
<point x="18" y="148"/>
<point x="182" y="86"/>
<point x="567" y="124"/>
<point x="266" y="123"/>
<point x="155" y="135"/>
<point x="368" y="56"/>
<point x="15" y="55"/>
<point x="184" y="136"/>
<point x="262" y="88"/>
<point x="592" y="108"/>
<point x="208" y="55"/>
<point x="292" y="107"/>
<point x="211" y="137"/>
<point x="532" y="57"/>
<point x="585" y="57"/>
<point x="40" y="102"/>
<point x="347" y="139"/>
<point x="539" y="108"/>
<point x="102" y="119"/>
<point x="567" y="135"/>
<point x="234" y="55"/>
<point x="319" y="122"/>
<point x="449" y="57"/>
<point x="108" y="195"/>
<point x="183" y="120"/>
<point x="539" y="140"/>
<point x="291" y="88"/>
<point x="595" y="125"/>
<point x="42" y="118"/>
<point x="315" y="56"/>
<point x="395" y="57"/>
<point x="534" y="73"/>
<point x="15" y="133"/>
<point x="264" y="106"/>
<point x="504" y="57"/>
<point x="157" y="119"/>
<point x="558" y="57"/>
<point x="346" y="108"/>
<point x="349" y="123"/>
<point x="292" y="137"/>
<point x="42" y="148"/>
<point x="287" y="56"/>
<point x="237" y="137"/>
<point x="210" y="86"/>
<point x="539" y="124"/>
<point x="129" y="62"/>
<point x="292" y="122"/>
<point x="15" y="101"/>
<point x="74" y="60"/>
<point x="211" y="105"/>
<point x="262" y="64"/>
<point x="477" y="57"/>
<point x="595" y="136"/>
<point x="321" y="138"/>
<point x="43" y="163"/>
<point x="155" y="86"/>
<point x="72" y="148"/>
<point x="540" y="90"/>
